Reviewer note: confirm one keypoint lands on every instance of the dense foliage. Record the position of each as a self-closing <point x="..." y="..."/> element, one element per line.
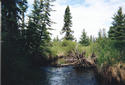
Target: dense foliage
<point x="22" y="45"/>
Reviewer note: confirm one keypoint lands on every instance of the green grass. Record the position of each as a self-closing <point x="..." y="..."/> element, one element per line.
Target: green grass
<point x="63" y="48"/>
<point x="105" y="50"/>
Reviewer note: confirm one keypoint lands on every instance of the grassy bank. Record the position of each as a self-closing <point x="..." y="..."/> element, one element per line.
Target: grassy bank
<point x="106" y="50"/>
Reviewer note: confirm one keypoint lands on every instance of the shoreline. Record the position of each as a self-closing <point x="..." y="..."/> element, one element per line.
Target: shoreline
<point x="110" y="75"/>
<point x="105" y="75"/>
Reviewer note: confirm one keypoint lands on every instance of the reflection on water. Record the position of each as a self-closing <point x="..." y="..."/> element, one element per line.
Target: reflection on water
<point x="66" y="76"/>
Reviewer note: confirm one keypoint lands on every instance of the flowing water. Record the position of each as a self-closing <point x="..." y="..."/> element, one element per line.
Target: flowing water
<point x="66" y="76"/>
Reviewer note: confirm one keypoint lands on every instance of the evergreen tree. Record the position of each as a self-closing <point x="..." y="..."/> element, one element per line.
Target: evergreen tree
<point x="117" y="30"/>
<point x="92" y="39"/>
<point x="84" y="40"/>
<point x="23" y="7"/>
<point x="10" y="43"/>
<point x="38" y="35"/>
<point x="102" y="33"/>
<point x="67" y="25"/>
<point x="56" y="38"/>
<point x="46" y="22"/>
<point x="10" y="18"/>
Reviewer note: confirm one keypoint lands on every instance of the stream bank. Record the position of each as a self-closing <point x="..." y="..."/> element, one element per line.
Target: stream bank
<point x="111" y="75"/>
<point x="106" y="75"/>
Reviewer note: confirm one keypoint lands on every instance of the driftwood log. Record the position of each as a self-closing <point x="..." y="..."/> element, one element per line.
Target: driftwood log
<point x="81" y="61"/>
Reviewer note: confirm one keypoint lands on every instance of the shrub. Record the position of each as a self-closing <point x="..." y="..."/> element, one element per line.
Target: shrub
<point x="106" y="52"/>
<point x="63" y="48"/>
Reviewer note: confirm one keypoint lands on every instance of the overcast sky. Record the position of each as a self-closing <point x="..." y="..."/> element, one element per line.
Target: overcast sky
<point x="90" y="15"/>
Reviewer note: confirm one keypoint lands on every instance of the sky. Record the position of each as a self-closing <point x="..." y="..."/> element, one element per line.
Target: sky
<point x="91" y="15"/>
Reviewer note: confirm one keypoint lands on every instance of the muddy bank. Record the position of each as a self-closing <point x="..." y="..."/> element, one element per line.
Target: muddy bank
<point x="111" y="75"/>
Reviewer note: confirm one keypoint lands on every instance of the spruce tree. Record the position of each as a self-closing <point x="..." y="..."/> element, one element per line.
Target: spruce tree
<point x="38" y="35"/>
<point x="11" y="55"/>
<point x="46" y="21"/>
<point x="101" y="33"/>
<point x="10" y="16"/>
<point x="23" y="5"/>
<point x="92" y="39"/>
<point x="84" y="40"/>
<point x="117" y="30"/>
<point x="67" y="25"/>
<point x="33" y="32"/>
<point x="56" y="38"/>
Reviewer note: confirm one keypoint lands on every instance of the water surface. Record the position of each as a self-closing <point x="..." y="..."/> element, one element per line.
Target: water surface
<point x="66" y="76"/>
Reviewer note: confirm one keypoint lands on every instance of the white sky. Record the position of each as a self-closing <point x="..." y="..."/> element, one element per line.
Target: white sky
<point x="91" y="15"/>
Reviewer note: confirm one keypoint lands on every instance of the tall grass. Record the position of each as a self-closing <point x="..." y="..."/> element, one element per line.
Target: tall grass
<point x="66" y="47"/>
<point x="105" y="50"/>
<point x="63" y="48"/>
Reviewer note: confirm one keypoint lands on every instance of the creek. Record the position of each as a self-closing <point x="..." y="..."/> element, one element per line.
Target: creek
<point x="67" y="76"/>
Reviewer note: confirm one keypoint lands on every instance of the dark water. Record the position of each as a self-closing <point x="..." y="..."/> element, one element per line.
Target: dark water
<point x="66" y="76"/>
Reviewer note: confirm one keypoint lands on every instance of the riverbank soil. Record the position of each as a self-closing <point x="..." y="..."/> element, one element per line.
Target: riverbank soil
<point x="112" y="75"/>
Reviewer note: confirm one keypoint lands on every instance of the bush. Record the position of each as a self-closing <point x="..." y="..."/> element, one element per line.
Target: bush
<point x="67" y="47"/>
<point x="57" y="49"/>
<point x="106" y="52"/>
<point x="63" y="48"/>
